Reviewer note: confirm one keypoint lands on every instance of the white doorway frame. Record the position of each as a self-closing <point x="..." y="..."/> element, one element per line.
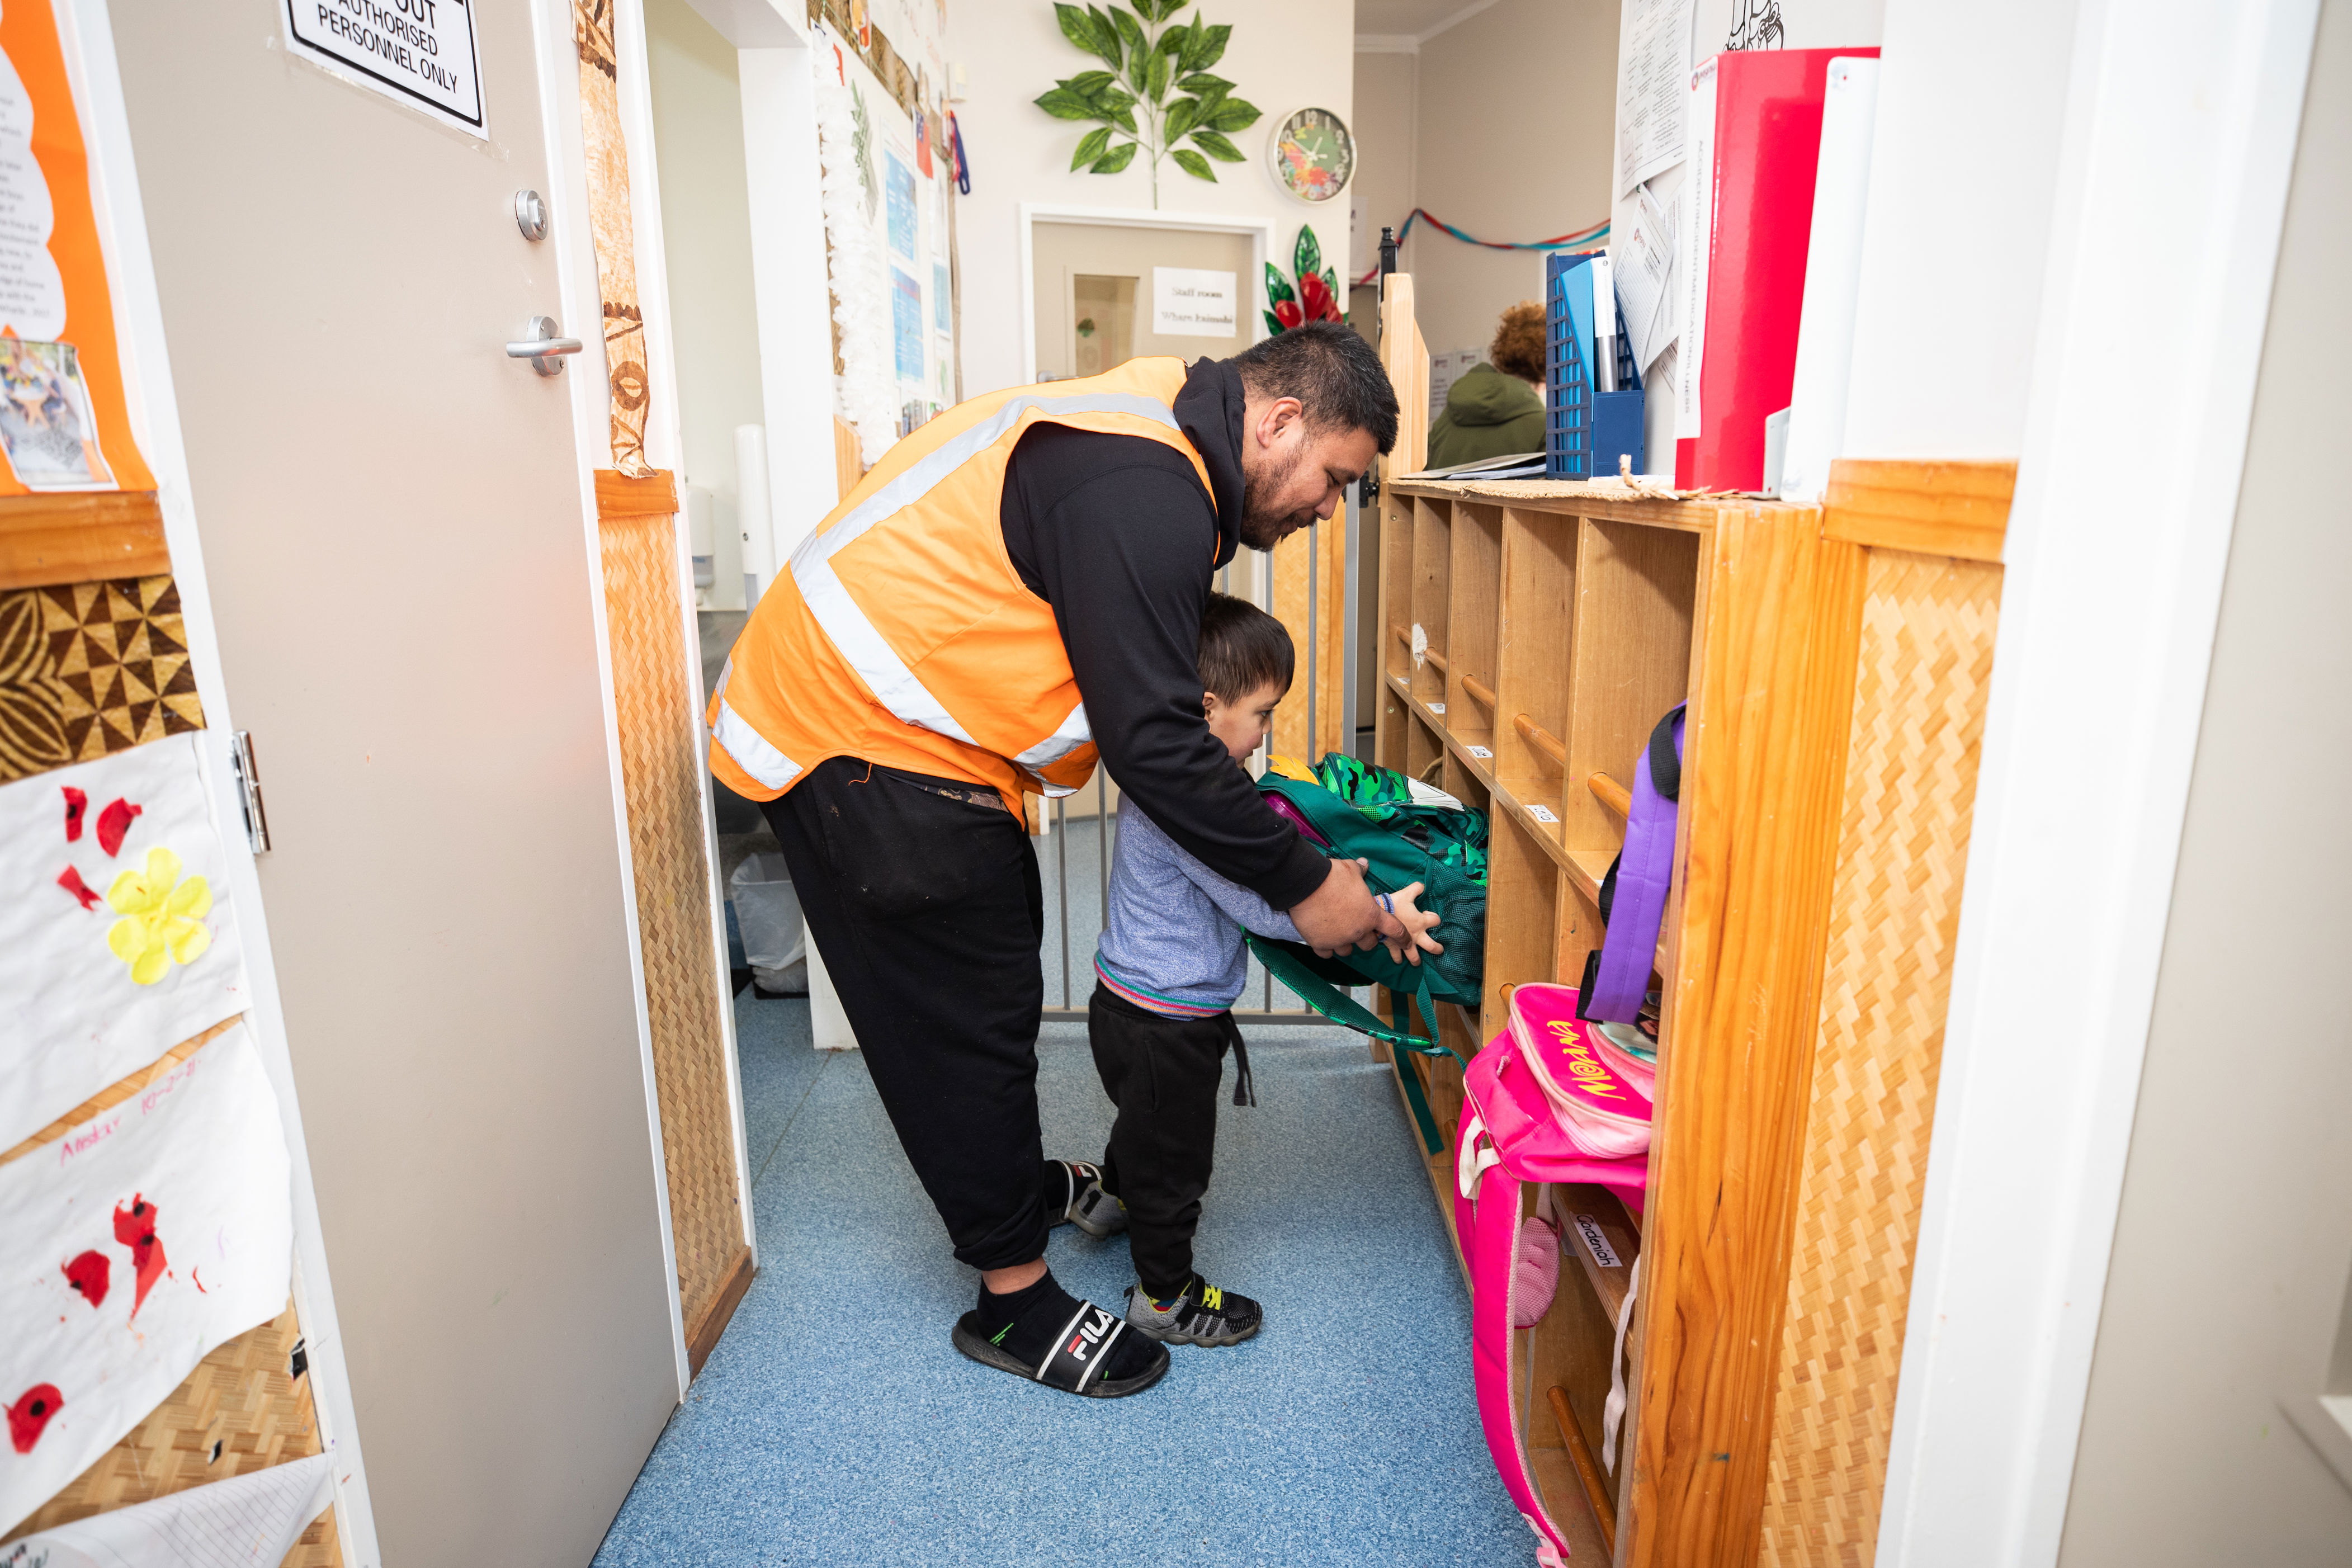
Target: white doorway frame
<point x="1260" y="232"/>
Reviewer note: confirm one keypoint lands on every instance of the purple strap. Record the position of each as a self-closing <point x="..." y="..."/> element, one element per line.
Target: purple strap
<point x="1630" y="950"/>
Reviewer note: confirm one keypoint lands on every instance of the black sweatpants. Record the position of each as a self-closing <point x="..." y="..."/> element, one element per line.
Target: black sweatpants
<point x="1162" y="1074"/>
<point x="923" y="898"/>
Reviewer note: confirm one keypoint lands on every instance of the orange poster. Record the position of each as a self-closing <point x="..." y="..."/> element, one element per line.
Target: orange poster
<point x="64" y="425"/>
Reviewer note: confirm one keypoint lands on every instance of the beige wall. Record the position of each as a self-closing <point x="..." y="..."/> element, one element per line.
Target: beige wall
<point x="1283" y="54"/>
<point x="706" y="239"/>
<point x="1062" y="249"/>
<point x="2226" y="1292"/>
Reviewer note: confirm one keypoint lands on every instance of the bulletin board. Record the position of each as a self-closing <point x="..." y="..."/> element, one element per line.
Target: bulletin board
<point x="64" y="421"/>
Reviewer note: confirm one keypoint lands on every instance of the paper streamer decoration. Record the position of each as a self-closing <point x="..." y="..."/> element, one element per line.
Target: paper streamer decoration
<point x="144" y="1237"/>
<point x="252" y="1518"/>
<point x="116" y="938"/>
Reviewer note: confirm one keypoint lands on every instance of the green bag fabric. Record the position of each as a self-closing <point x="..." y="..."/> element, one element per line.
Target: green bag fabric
<point x="1441" y="847"/>
<point x="1317" y="981"/>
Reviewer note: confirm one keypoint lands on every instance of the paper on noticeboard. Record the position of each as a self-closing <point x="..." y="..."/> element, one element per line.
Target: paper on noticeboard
<point x="1653" y="65"/>
<point x="250" y="1519"/>
<point x="1645" y="273"/>
<point x="139" y="1241"/>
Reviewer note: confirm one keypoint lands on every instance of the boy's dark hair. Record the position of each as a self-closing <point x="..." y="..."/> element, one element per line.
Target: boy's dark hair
<point x="1334" y="373"/>
<point x="1242" y="649"/>
<point x="1521" y="345"/>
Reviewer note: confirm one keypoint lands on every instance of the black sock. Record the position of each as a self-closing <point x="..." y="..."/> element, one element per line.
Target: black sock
<point x="1024" y="1322"/>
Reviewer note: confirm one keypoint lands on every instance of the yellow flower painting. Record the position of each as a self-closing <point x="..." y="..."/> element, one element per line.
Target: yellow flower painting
<point x="161" y="917"/>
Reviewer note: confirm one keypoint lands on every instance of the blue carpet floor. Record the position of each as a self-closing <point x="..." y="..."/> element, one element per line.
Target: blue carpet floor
<point x="835" y="1425"/>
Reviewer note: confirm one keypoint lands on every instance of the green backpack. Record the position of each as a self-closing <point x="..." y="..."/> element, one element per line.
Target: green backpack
<point x="1369" y="813"/>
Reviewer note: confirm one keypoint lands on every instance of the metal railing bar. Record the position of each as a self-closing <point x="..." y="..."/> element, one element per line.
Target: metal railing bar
<point x="1279" y="1017"/>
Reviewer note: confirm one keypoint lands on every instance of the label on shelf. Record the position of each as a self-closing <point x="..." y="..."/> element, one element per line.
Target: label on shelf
<point x="1596" y="1243"/>
<point x="1437" y="708"/>
<point x="1481" y="752"/>
<point x="1541" y="814"/>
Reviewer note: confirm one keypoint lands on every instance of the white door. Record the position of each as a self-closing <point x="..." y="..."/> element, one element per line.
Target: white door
<point x="391" y="520"/>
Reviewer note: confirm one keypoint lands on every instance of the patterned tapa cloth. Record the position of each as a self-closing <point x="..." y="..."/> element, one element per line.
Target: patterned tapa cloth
<point x="87" y="670"/>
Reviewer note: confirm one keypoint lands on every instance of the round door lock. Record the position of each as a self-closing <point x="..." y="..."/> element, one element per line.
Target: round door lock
<point x="530" y="214"/>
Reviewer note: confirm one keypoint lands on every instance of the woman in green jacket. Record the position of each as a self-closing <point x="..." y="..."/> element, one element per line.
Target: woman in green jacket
<point x="1498" y="408"/>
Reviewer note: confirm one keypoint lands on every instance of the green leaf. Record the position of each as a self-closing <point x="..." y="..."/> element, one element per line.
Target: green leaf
<point x="1331" y="281"/>
<point x="1155" y="78"/>
<point x="1273" y="328"/>
<point x="1203" y="82"/>
<point x="1192" y="162"/>
<point x="1063" y="104"/>
<point x="1079" y="29"/>
<point x="1216" y="145"/>
<point x="1138" y="46"/>
<point x="1190" y="42"/>
<point x="1117" y="158"/>
<point x="1233" y="114"/>
<point x="1116" y="107"/>
<point x="1180" y="116"/>
<point x="1086" y="84"/>
<point x="1090" y="147"/>
<point x="1160" y="10"/>
<point x="1212" y="48"/>
<point x="1308" y="255"/>
<point x="1277" y="286"/>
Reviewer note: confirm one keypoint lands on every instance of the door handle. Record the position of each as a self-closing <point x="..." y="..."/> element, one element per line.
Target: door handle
<point x="542" y="348"/>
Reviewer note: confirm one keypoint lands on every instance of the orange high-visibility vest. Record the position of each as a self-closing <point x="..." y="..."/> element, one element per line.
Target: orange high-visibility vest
<point x="903" y="635"/>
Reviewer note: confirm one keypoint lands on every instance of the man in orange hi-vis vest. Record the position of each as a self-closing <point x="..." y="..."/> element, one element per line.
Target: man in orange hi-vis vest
<point x="1013" y="591"/>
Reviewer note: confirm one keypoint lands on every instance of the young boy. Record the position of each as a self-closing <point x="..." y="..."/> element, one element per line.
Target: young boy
<point x="1170" y="965"/>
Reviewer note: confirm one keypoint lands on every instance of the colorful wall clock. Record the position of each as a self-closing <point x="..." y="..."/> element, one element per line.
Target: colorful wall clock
<point x="1311" y="154"/>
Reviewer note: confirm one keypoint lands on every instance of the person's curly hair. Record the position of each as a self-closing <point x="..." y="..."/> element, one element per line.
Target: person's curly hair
<point x="1518" y="346"/>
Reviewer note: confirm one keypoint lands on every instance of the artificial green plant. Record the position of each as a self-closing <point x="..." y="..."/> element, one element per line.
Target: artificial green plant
<point x="1149" y="59"/>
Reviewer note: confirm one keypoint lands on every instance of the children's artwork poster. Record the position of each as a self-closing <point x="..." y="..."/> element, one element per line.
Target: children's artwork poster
<point x="942" y="299"/>
<point x="898" y="189"/>
<point x="136" y="1244"/>
<point x="116" y="942"/>
<point x="254" y="1518"/>
<point x="64" y="422"/>
<point x="907" y="325"/>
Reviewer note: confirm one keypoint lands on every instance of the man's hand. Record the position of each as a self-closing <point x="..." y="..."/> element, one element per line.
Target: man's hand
<point x="1341" y="914"/>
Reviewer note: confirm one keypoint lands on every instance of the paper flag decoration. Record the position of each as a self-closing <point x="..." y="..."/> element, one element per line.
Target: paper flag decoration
<point x="247" y="1520"/>
<point x="116" y="938"/>
<point x="183" y="1191"/>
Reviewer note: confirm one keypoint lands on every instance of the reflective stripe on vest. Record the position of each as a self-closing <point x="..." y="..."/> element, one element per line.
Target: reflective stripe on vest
<point x="895" y="686"/>
<point x="733" y="734"/>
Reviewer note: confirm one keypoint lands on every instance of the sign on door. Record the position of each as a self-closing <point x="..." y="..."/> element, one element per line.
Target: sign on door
<point x="1191" y="302"/>
<point x="419" y="52"/>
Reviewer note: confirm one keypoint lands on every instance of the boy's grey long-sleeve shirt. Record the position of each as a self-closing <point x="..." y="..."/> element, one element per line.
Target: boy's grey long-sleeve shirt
<point x="1171" y="936"/>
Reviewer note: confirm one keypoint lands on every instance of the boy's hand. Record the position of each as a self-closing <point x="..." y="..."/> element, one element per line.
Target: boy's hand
<point x="1417" y="923"/>
<point x="1340" y="916"/>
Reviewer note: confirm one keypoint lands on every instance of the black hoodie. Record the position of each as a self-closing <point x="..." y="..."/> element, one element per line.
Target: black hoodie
<point x="1116" y="535"/>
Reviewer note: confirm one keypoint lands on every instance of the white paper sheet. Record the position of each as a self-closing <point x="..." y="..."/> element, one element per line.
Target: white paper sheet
<point x="1817" y="399"/>
<point x="73" y="1015"/>
<point x="134" y="1246"/>
<point x="1647" y="267"/>
<point x="1653" y="65"/>
<point x="247" y="1521"/>
<point x="1695" y="227"/>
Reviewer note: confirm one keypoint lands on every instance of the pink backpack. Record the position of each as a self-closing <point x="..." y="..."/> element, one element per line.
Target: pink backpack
<point x="1511" y="1134"/>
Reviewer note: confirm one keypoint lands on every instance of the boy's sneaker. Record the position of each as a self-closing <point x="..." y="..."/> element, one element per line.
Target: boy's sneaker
<point x="1095" y="1210"/>
<point x="1201" y="1314"/>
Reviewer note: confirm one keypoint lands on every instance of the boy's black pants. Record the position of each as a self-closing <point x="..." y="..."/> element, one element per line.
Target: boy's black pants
<point x="1162" y="1074"/>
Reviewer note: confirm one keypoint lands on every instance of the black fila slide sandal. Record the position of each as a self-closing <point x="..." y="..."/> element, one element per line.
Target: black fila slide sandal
<point x="1076" y="1365"/>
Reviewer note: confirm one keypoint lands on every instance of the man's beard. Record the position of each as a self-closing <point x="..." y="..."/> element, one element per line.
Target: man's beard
<point x="1259" y="529"/>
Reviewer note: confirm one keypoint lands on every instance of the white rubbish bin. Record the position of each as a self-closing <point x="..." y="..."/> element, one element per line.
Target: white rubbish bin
<point x="768" y="913"/>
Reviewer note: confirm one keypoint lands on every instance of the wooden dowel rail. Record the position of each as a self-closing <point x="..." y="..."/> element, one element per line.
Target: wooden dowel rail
<point x="1610" y="794"/>
<point x="1479" y="691"/>
<point x="1541" y="739"/>
<point x="1431" y="654"/>
<point x="1588" y="1470"/>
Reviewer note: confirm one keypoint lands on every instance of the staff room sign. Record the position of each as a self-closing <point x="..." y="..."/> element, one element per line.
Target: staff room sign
<point x="420" y="52"/>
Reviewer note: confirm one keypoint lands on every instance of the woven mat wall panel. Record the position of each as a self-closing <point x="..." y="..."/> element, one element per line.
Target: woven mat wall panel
<point x="661" y="770"/>
<point x="1925" y="667"/>
<point x="91" y="668"/>
<point x="241" y="1398"/>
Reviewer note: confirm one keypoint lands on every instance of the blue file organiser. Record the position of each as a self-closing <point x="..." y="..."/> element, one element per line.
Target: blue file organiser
<point x="1584" y="431"/>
